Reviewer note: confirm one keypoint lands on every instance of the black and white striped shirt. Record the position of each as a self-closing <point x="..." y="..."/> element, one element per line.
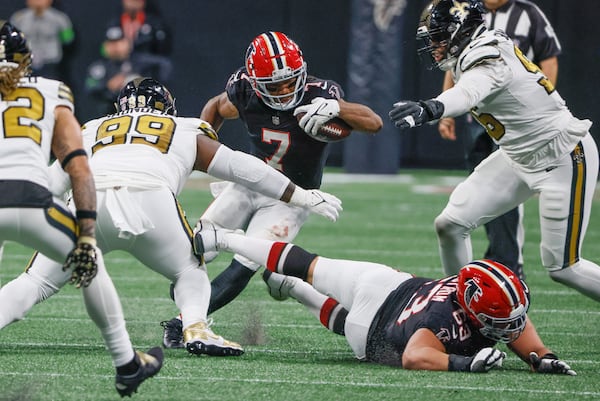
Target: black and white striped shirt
<point x="528" y="27"/>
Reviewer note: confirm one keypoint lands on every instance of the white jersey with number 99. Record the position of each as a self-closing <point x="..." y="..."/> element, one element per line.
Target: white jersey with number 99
<point x="142" y="148"/>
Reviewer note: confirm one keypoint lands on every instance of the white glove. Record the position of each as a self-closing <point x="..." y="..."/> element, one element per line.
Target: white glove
<point x="318" y="112"/>
<point x="319" y="202"/>
<point x="487" y="359"/>
<point x="550" y="363"/>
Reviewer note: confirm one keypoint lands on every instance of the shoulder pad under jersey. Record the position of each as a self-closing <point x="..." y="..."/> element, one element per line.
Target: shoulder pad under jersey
<point x="236" y="76"/>
<point x="478" y="55"/>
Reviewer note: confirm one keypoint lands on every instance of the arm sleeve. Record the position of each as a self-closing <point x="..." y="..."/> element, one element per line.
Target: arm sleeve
<point x="249" y="171"/>
<point x="472" y="87"/>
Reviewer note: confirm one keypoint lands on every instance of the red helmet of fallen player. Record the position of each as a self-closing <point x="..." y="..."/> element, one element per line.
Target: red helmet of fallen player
<point x="494" y="298"/>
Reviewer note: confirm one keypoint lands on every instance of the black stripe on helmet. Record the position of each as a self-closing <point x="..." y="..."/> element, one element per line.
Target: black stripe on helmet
<point x="277" y="50"/>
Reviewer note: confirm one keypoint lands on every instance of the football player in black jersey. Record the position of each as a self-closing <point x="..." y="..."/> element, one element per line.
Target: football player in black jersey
<point x="268" y="94"/>
<point x="394" y="318"/>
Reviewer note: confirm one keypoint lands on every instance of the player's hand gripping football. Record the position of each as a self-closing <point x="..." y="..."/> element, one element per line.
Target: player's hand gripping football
<point x="408" y="114"/>
<point x="319" y="202"/>
<point x="550" y="363"/>
<point x="486" y="359"/>
<point x="83" y="262"/>
<point x="318" y="112"/>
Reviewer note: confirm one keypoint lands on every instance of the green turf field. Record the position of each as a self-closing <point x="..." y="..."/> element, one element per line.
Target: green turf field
<point x="56" y="353"/>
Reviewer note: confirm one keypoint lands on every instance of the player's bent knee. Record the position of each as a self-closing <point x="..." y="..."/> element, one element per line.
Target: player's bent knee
<point x="559" y="276"/>
<point x="445" y="228"/>
<point x="550" y="260"/>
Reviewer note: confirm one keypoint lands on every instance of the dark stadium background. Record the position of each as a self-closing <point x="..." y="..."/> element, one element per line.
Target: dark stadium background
<point x="210" y="38"/>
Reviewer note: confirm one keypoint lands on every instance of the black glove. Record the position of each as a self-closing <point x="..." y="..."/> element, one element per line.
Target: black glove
<point x="408" y="114"/>
<point x="83" y="261"/>
<point x="550" y="363"/>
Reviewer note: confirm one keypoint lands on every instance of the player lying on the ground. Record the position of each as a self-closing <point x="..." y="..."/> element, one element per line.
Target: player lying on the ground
<point x="394" y="318"/>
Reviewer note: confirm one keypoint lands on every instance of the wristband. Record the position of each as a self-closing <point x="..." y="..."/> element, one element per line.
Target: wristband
<point x="84" y="239"/>
<point x="86" y="214"/>
<point x="67" y="159"/>
<point x="458" y="363"/>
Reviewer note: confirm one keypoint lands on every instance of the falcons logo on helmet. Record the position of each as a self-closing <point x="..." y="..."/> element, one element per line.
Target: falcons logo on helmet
<point x="472" y="292"/>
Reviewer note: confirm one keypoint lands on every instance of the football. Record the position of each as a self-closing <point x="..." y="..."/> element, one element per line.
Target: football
<point x="333" y="130"/>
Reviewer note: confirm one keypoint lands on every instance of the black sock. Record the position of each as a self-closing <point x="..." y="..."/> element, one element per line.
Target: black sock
<point x="340" y="321"/>
<point x="228" y="285"/>
<point x="129" y="368"/>
<point x="297" y="262"/>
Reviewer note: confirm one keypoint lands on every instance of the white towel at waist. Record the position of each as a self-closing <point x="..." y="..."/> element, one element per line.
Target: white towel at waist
<point x="110" y="179"/>
<point x="127" y="216"/>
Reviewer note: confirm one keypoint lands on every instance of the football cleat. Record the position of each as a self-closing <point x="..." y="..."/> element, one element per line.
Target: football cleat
<point x="150" y="363"/>
<point x="173" y="333"/>
<point x="278" y="285"/>
<point x="209" y="237"/>
<point x="199" y="339"/>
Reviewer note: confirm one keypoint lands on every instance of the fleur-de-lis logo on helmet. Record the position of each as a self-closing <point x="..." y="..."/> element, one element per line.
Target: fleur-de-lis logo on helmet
<point x="459" y="10"/>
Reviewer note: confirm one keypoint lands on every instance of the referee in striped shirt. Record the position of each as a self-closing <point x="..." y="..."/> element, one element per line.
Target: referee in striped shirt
<point x="531" y="31"/>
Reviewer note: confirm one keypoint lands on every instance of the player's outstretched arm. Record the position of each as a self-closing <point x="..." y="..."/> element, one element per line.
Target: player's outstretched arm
<point x="425" y="351"/>
<point x="224" y="163"/>
<point x="320" y="110"/>
<point x="360" y="117"/>
<point x="530" y="348"/>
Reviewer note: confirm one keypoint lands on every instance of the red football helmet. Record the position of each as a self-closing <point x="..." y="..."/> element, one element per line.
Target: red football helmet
<point x="273" y="58"/>
<point x="494" y="298"/>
